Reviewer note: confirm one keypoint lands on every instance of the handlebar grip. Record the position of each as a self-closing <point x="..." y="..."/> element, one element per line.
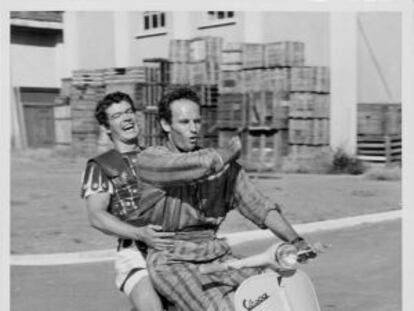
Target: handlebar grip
<point x="213" y="267"/>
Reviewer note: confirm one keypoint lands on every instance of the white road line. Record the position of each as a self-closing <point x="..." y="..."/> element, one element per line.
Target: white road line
<point x="233" y="239"/>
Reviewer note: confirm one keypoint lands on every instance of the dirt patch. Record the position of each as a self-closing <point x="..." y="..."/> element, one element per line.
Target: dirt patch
<point x="48" y="215"/>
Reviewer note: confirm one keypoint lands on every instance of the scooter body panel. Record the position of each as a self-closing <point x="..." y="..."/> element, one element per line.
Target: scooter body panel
<point x="271" y="292"/>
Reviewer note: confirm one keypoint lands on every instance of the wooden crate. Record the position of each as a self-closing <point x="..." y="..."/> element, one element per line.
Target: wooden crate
<point x="231" y="67"/>
<point x="300" y="131"/>
<point x="88" y="77"/>
<point x="266" y="108"/>
<point x="320" y="132"/>
<point x="253" y="55"/>
<point x="379" y="119"/>
<point x="309" y="79"/>
<point x="208" y="119"/>
<point x="276" y="79"/>
<point x="379" y="148"/>
<point x="206" y="72"/>
<point x="232" y="56"/>
<point x="179" y="73"/>
<point x="163" y="66"/>
<point x="231" y="82"/>
<point x="179" y="50"/>
<point x="232" y="112"/>
<point x="252" y="80"/>
<point x="265" y="149"/>
<point x="207" y="48"/>
<point x="309" y="105"/>
<point x="286" y="53"/>
<point x="308" y="131"/>
<point x="133" y="74"/>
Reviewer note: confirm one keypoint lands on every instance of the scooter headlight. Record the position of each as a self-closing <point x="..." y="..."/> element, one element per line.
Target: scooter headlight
<point x="286" y="256"/>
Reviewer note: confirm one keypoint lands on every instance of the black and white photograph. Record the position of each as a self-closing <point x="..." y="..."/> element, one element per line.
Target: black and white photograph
<point x="172" y="157"/>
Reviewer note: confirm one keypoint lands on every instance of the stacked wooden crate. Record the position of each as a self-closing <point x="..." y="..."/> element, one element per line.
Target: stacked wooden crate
<point x="179" y="56"/>
<point x="281" y="104"/>
<point x="152" y="131"/>
<point x="379" y="132"/>
<point x="254" y="99"/>
<point x="163" y="67"/>
<point x="87" y="89"/>
<point x="208" y="98"/>
<point x="142" y="83"/>
<point x="308" y="122"/>
<point x="309" y="110"/>
<point x="205" y="59"/>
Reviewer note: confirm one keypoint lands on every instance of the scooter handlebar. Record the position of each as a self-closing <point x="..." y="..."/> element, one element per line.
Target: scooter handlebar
<point x="263" y="259"/>
<point x="282" y="256"/>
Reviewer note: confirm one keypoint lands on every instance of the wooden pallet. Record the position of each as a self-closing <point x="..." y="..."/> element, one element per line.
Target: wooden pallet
<point x="379" y="148"/>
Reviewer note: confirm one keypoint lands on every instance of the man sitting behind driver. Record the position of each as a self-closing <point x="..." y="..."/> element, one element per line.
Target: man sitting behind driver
<point x="112" y="191"/>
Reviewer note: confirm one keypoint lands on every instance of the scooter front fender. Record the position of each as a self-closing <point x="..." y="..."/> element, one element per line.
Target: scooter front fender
<point x="272" y="292"/>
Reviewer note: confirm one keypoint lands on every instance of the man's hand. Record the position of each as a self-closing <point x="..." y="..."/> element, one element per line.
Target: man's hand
<point x="305" y="251"/>
<point x="229" y="152"/>
<point x="233" y="146"/>
<point x="153" y="237"/>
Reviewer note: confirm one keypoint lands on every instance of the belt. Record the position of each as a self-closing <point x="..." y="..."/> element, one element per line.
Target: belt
<point x="195" y="236"/>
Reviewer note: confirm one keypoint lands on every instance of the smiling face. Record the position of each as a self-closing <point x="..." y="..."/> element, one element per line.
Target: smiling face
<point x="123" y="126"/>
<point x="184" y="129"/>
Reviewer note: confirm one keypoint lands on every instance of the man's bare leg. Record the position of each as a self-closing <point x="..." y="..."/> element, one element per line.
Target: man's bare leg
<point x="144" y="297"/>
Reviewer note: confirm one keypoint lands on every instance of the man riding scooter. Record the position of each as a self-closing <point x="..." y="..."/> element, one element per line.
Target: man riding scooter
<point x="194" y="212"/>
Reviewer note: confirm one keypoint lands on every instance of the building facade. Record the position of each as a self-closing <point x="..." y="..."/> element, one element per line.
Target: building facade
<point x="362" y="50"/>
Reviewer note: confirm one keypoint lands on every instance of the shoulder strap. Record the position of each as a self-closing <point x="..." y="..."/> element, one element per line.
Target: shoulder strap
<point x="112" y="163"/>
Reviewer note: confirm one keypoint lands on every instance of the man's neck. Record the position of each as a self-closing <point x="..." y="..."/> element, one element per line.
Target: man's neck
<point x="123" y="147"/>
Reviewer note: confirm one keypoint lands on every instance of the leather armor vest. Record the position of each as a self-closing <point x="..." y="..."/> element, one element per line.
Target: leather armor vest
<point x="124" y="201"/>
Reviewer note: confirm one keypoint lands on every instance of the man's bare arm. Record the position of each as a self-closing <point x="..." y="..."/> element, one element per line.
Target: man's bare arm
<point x="101" y="219"/>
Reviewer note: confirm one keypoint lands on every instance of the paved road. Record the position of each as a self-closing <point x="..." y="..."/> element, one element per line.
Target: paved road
<point x="362" y="271"/>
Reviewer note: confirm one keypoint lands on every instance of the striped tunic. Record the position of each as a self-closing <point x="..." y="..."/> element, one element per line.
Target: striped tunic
<point x="194" y="211"/>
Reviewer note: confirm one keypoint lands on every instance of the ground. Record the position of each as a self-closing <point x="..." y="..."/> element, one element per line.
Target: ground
<point x="361" y="271"/>
<point x="48" y="215"/>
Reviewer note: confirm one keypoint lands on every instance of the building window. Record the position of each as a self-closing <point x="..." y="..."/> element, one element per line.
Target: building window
<point x="220" y="15"/>
<point x="153" y="24"/>
<point x="217" y="19"/>
<point x="154" y="20"/>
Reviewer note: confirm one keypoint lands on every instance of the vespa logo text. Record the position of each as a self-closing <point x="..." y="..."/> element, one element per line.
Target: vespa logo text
<point x="251" y="304"/>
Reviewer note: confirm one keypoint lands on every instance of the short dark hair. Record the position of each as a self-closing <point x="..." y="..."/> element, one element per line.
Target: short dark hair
<point x="107" y="101"/>
<point x="173" y="94"/>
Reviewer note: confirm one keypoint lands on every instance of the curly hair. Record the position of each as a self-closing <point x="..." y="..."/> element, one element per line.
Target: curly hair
<point x="173" y="94"/>
<point x="107" y="101"/>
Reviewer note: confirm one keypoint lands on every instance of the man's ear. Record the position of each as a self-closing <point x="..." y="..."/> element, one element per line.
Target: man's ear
<point x="165" y="126"/>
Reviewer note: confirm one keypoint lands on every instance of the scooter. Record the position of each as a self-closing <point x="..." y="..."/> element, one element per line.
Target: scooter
<point x="282" y="287"/>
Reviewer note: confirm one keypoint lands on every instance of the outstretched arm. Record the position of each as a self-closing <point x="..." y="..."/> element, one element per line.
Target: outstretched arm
<point x="258" y="208"/>
<point x="159" y="165"/>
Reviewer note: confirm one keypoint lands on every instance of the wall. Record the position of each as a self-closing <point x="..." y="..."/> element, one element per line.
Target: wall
<point x="34" y="58"/>
<point x="95" y="40"/>
<point x="230" y="33"/>
<point x="147" y="46"/>
<point x="383" y="30"/>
